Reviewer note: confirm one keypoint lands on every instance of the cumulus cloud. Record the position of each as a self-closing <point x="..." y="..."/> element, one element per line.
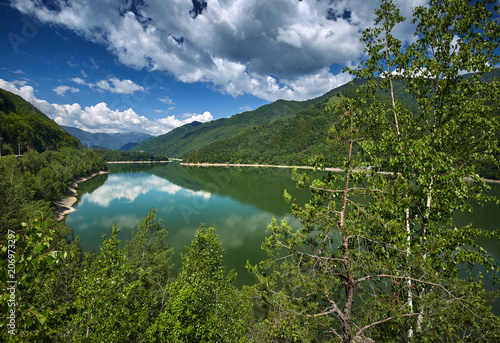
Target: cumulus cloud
<point x="100" y="118"/>
<point x="61" y="90"/>
<point x="270" y="49"/>
<point x="112" y="84"/>
<point x="115" y="85"/>
<point x="78" y="80"/>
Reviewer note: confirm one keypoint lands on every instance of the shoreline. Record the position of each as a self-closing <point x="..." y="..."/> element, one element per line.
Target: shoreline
<point x="338" y="170"/>
<point x="131" y="162"/>
<point x="64" y="206"/>
<point x="254" y="165"/>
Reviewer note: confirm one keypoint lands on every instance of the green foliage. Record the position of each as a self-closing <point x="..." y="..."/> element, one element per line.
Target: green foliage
<point x="32" y="260"/>
<point x="398" y="251"/>
<point x="25" y="128"/>
<point x="107" y="308"/>
<point x="181" y="141"/>
<point x="31" y="184"/>
<point x="430" y="152"/>
<point x="204" y="306"/>
<point x="149" y="258"/>
<point x="115" y="155"/>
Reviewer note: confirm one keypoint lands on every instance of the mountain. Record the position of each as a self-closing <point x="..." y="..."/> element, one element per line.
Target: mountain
<point x="23" y="127"/>
<point x="297" y="138"/>
<point x="114" y="141"/>
<point x="181" y="141"/>
<point x="290" y="141"/>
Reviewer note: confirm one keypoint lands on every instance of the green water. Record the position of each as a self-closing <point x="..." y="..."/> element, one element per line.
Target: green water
<point x="240" y="202"/>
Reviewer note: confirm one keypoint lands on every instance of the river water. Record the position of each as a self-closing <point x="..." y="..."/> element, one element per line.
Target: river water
<point x="239" y="202"/>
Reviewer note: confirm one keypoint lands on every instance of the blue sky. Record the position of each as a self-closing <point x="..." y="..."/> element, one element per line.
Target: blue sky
<point x="153" y="65"/>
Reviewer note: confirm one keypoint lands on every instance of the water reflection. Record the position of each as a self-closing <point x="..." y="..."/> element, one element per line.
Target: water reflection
<point x="240" y="204"/>
<point x="128" y="187"/>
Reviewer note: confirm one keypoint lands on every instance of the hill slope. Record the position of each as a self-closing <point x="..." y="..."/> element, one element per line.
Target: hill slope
<point x="290" y="141"/>
<point x="294" y="140"/>
<point x="181" y="141"/>
<point x="23" y="127"/>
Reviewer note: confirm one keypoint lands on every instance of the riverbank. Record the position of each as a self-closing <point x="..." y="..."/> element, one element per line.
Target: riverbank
<point x="337" y="170"/>
<point x="253" y="165"/>
<point x="129" y="162"/>
<point x="64" y="206"/>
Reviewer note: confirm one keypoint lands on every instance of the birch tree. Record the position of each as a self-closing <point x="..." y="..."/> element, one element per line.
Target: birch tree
<point x="398" y="252"/>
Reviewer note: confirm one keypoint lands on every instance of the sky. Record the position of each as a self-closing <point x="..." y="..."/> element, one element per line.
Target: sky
<point x="154" y="65"/>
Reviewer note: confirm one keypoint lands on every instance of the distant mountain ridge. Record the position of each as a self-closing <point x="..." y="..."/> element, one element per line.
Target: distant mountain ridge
<point x="114" y="141"/>
<point x="185" y="139"/>
<point x="294" y="140"/>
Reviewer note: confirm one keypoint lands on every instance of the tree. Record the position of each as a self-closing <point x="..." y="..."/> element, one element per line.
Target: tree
<point x="107" y="308"/>
<point x="432" y="151"/>
<point x="29" y="261"/>
<point x="149" y="259"/>
<point x="120" y="291"/>
<point x="398" y="251"/>
<point x="203" y="305"/>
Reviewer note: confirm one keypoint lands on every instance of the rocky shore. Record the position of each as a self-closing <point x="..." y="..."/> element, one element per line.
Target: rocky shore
<point x="64" y="206"/>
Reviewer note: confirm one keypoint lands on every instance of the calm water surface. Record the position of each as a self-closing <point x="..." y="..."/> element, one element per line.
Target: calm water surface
<point x="240" y="202"/>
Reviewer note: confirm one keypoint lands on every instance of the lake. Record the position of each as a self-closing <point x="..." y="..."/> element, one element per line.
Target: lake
<point x="239" y="201"/>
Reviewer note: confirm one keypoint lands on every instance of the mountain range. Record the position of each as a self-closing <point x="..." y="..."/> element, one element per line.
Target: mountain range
<point x="114" y="141"/>
<point x="185" y="139"/>
<point x="283" y="132"/>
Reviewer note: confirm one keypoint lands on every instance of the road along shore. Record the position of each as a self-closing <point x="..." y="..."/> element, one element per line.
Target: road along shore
<point x="337" y="170"/>
<point x="253" y="165"/>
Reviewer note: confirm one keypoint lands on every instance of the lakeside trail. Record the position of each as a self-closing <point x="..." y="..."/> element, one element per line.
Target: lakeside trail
<point x="253" y="165"/>
<point x="64" y="205"/>
<point x="337" y="170"/>
<point x="132" y="162"/>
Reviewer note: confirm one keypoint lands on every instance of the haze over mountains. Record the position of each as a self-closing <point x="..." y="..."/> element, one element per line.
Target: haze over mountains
<point x="114" y="141"/>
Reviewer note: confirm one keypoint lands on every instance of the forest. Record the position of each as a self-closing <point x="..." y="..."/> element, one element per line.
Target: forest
<point x="377" y="257"/>
<point x="296" y="139"/>
<point x="115" y="155"/>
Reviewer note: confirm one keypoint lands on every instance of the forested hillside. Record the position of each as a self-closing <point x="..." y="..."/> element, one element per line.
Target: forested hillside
<point x="30" y="184"/>
<point x="51" y="159"/>
<point x="23" y="127"/>
<point x="297" y="138"/>
<point x="181" y="141"/>
<point x="290" y="141"/>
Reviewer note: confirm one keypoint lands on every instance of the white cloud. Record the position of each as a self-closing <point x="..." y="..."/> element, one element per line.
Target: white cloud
<point x="166" y="100"/>
<point x="61" y="90"/>
<point x="115" y="85"/>
<point x="78" y="80"/>
<point x="172" y="122"/>
<point x="270" y="49"/>
<point x="100" y="118"/>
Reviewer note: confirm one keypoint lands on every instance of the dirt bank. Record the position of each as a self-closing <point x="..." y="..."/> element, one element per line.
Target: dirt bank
<point x="281" y="166"/>
<point x="252" y="165"/>
<point x="64" y="205"/>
